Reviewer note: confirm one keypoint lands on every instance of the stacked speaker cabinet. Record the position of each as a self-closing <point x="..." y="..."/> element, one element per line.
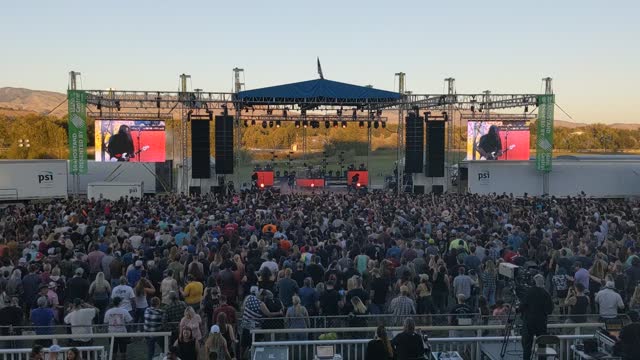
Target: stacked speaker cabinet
<point x="414" y="142"/>
<point x="200" y="149"/>
<point x="224" y="144"/>
<point x="435" y="149"/>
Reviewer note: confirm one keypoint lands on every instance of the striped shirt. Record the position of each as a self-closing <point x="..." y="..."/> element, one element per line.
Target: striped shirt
<point x="153" y="319"/>
<point x="251" y="314"/>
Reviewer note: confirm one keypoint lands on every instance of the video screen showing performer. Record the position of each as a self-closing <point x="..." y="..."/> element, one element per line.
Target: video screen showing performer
<point x="130" y="140"/>
<point x="497" y="140"/>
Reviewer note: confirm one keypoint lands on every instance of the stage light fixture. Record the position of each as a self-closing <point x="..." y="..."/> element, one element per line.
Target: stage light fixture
<point x="303" y="112"/>
<point x="99" y="105"/>
<point x="526" y="109"/>
<point x="297" y="123"/>
<point x="376" y="124"/>
<point x="313" y="185"/>
<point x="327" y="124"/>
<point x="278" y="124"/>
<point x="246" y="123"/>
<point x="344" y="124"/>
<point x="384" y="124"/>
<point x="253" y="122"/>
<point x="445" y="116"/>
<point x="335" y="123"/>
<point x="361" y="124"/>
<point x="339" y="112"/>
<point x="473" y="108"/>
<point x="270" y="123"/>
<point x="358" y="184"/>
<point x="305" y="124"/>
<point x="379" y="112"/>
<point x="284" y="113"/>
<point x="264" y="124"/>
<point x="118" y="105"/>
<point x="269" y="111"/>
<point x="262" y="185"/>
<point x="354" y="115"/>
<point x="368" y="124"/>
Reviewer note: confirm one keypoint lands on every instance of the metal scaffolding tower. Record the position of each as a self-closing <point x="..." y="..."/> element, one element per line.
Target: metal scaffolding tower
<point x="184" y="132"/>
<point x="400" y="152"/>
<point x="449" y="157"/>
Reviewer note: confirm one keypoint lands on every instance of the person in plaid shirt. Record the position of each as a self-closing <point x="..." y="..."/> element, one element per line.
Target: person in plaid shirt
<point x="173" y="313"/>
<point x="153" y="316"/>
<point x="403" y="305"/>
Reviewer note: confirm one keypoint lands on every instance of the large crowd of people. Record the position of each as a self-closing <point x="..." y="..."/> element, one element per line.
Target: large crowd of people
<point x="211" y="269"/>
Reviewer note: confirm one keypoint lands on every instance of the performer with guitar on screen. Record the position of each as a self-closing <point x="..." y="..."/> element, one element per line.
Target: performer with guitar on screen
<point x="120" y="146"/>
<point x="490" y="145"/>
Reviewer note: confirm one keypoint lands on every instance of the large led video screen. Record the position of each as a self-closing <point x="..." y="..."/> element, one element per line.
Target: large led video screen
<point x="497" y="140"/>
<point x="130" y="140"/>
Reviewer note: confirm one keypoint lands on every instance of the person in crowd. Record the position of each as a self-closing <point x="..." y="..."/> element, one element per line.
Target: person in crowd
<point x="81" y="317"/>
<point x="168" y="285"/>
<point x="192" y="321"/>
<point x="78" y="286"/>
<point x="99" y="292"/>
<point x="609" y="302"/>
<point x="287" y="288"/>
<point x="73" y="354"/>
<point x="143" y="289"/>
<point x="185" y="345"/>
<point x="297" y="318"/>
<point x="403" y="305"/>
<point x="117" y="318"/>
<point x="489" y="279"/>
<point x="153" y="316"/>
<point x="408" y="345"/>
<point x="227" y="331"/>
<point x="535" y="308"/>
<point x="578" y="303"/>
<point x="215" y="347"/>
<point x="127" y="296"/>
<point x="173" y="313"/>
<point x="380" y="347"/>
<point x="42" y="319"/>
<point x="193" y="292"/>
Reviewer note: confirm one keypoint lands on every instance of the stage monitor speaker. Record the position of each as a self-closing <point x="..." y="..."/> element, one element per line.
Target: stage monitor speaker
<point x="437" y="189"/>
<point x="200" y="150"/>
<point x="418" y="189"/>
<point x="435" y="149"/>
<point x="414" y="141"/>
<point x="224" y="144"/>
<point x="194" y="190"/>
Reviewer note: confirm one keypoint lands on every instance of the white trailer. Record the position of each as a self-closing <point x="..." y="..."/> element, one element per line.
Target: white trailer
<point x="33" y="179"/>
<point x="123" y="172"/>
<point x="114" y="190"/>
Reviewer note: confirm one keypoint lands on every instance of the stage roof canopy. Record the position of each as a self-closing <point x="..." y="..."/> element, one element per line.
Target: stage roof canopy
<point x="318" y="92"/>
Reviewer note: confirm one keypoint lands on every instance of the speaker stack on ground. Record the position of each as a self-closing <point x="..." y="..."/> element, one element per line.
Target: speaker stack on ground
<point x="414" y="144"/>
<point x="200" y="149"/>
<point x="224" y="144"/>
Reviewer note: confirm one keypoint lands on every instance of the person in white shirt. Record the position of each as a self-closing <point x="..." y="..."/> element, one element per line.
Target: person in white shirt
<point x="609" y="301"/>
<point x="125" y="293"/>
<point x="81" y="319"/>
<point x="117" y="318"/>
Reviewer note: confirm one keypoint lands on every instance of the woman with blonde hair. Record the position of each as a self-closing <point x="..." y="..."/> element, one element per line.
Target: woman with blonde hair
<point x="297" y="318"/>
<point x="215" y="347"/>
<point x="99" y="291"/>
<point x="192" y="321"/>
<point x="489" y="279"/>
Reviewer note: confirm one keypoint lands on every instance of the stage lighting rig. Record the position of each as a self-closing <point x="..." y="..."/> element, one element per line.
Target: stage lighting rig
<point x="361" y="124"/>
<point x="305" y="124"/>
<point x="384" y="124"/>
<point x="270" y="123"/>
<point x="246" y="123"/>
<point x="278" y="124"/>
<point x="339" y="112"/>
<point x="303" y="112"/>
<point x="264" y="124"/>
<point x="368" y="124"/>
<point x="297" y="123"/>
<point x="327" y="124"/>
<point x="335" y="123"/>
<point x="354" y="115"/>
<point x="253" y="122"/>
<point x="376" y="124"/>
<point x="269" y="111"/>
<point x="284" y="112"/>
<point x="344" y="124"/>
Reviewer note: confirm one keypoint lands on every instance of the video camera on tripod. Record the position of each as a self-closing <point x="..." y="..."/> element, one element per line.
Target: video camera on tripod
<point x="520" y="276"/>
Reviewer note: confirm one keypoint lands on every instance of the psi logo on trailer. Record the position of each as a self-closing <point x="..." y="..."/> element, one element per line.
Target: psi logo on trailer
<point x="484" y="177"/>
<point x="45" y="179"/>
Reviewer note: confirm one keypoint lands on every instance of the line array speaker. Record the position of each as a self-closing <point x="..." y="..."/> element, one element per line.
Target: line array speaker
<point x="435" y="149"/>
<point x="224" y="144"/>
<point x="414" y="141"/>
<point x="200" y="149"/>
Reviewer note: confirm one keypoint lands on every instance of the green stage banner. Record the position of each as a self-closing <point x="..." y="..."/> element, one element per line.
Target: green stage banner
<point x="544" y="141"/>
<point x="77" y="100"/>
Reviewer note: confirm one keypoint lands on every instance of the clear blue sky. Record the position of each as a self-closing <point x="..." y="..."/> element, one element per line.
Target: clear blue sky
<point x="590" y="48"/>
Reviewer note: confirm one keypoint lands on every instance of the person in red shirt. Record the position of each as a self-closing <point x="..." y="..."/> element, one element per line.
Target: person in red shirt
<point x="226" y="309"/>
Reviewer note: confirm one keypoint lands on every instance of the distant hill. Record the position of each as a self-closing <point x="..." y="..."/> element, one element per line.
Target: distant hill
<point x="17" y="101"/>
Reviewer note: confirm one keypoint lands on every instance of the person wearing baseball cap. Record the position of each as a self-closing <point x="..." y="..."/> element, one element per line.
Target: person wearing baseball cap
<point x="216" y="344"/>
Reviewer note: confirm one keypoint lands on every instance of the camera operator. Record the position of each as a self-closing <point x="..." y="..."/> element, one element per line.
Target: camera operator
<point x="535" y="307"/>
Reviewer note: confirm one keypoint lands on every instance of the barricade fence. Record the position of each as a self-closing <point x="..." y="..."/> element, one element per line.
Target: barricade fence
<point x="15" y="346"/>
<point x="86" y="353"/>
<point x="469" y="347"/>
